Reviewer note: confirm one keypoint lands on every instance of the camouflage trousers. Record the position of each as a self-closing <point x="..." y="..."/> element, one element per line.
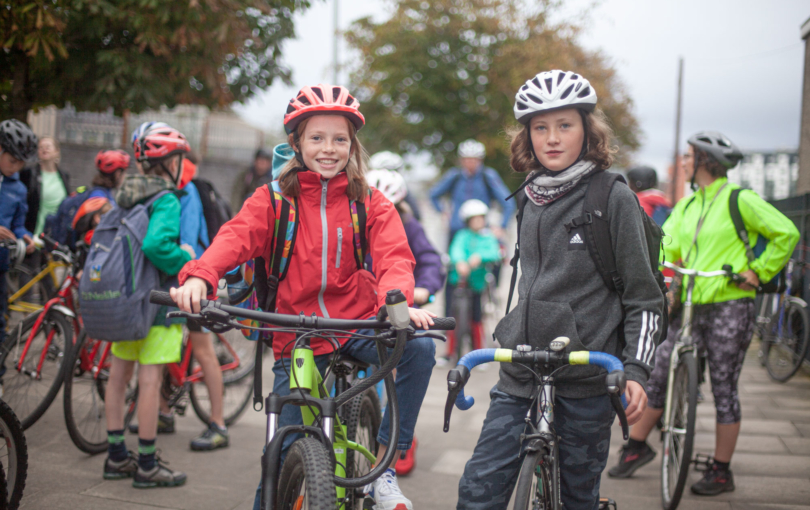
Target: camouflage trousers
<point x="583" y="426"/>
<point x="724" y="331"/>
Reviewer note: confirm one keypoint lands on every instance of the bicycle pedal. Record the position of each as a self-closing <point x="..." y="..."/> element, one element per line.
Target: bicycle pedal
<point x="368" y="504"/>
<point x="606" y="503"/>
<point x="703" y="462"/>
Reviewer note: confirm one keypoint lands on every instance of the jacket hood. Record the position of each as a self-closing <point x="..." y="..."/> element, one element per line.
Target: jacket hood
<point x="137" y="188"/>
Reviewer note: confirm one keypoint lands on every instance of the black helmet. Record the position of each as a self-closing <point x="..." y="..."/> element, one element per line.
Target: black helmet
<point x="642" y="177"/>
<point x="17" y="139"/>
<point x="718" y="147"/>
<point x="261" y="153"/>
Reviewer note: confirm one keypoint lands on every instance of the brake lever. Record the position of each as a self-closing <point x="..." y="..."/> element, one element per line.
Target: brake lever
<point x="218" y="321"/>
<point x="431" y="334"/>
<point x="616" y="400"/>
<point x="456" y="380"/>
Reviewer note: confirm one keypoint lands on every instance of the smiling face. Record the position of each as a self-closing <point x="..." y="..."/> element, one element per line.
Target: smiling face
<point x="326" y="144"/>
<point x="557" y="138"/>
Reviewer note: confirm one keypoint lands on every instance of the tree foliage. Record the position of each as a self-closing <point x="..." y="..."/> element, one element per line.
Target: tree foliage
<point x="441" y="71"/>
<point x="140" y="54"/>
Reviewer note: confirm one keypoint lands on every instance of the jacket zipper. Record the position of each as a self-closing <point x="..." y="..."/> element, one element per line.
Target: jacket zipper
<point x="536" y="277"/>
<point x="324" y="250"/>
<point x="339" y="247"/>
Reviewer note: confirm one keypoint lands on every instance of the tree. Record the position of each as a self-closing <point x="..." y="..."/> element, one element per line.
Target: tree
<point x="442" y="71"/>
<point x="140" y="54"/>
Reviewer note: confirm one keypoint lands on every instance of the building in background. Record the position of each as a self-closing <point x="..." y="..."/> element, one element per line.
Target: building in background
<point x="773" y="175"/>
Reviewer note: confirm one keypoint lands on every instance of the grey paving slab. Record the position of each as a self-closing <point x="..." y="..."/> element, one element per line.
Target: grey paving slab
<point x="803" y="428"/>
<point x="756" y="427"/>
<point x="797" y="445"/>
<point x="704" y="441"/>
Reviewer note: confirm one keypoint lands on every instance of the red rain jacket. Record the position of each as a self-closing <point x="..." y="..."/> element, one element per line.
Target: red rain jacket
<point x="323" y="277"/>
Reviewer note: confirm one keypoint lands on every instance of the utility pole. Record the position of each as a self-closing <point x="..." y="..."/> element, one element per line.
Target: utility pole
<point x="675" y="178"/>
<point x="335" y="44"/>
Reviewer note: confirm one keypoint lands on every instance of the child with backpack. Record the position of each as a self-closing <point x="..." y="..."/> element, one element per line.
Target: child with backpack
<point x="564" y="145"/>
<point x="643" y="181"/>
<point x="473" y="247"/>
<point x="160" y="153"/>
<point x="324" y="187"/>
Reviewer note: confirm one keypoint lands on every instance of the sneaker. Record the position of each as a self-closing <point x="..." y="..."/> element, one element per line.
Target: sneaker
<point x="213" y="438"/>
<point x="158" y="476"/>
<point x="122" y="469"/>
<point x="714" y="482"/>
<point x="165" y="425"/>
<point x="630" y="460"/>
<point x="407" y="460"/>
<point x="442" y="361"/>
<point x="386" y="493"/>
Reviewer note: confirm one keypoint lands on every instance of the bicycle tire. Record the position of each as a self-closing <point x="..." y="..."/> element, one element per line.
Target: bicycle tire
<point x="532" y="490"/>
<point x="787" y="351"/>
<point x="677" y="447"/>
<point x="237" y="392"/>
<point x="362" y="425"/>
<point x="84" y="399"/>
<point x="13" y="455"/>
<point x="28" y="396"/>
<point x="462" y="311"/>
<point x="3" y="485"/>
<point x="306" y="477"/>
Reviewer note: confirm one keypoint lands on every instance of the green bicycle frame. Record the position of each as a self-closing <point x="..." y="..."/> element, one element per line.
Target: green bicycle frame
<point x="306" y="376"/>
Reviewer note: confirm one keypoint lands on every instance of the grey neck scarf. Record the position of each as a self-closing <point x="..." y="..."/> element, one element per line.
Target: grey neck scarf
<point x="546" y="188"/>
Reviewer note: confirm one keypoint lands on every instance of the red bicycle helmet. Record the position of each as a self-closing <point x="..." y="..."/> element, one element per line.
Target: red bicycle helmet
<point x="108" y="162"/>
<point x="83" y="217"/>
<point x="160" y="143"/>
<point x="319" y="100"/>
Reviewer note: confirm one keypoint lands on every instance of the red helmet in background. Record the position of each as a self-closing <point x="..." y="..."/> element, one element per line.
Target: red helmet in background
<point x="108" y="162"/>
<point x="188" y="173"/>
<point x="319" y="100"/>
<point x="82" y="221"/>
<point x="160" y="143"/>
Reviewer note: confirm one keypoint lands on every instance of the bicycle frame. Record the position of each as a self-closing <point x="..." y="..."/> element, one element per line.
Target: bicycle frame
<point x="15" y="304"/>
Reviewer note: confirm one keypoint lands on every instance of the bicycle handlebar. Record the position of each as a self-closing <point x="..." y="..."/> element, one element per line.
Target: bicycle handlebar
<point x="727" y="271"/>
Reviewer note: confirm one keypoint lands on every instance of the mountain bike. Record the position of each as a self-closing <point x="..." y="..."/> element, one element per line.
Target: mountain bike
<point x="680" y="407"/>
<point x="34" y="350"/>
<point x="13" y="458"/>
<point x="783" y="327"/>
<point x="538" y="485"/>
<point x="317" y="472"/>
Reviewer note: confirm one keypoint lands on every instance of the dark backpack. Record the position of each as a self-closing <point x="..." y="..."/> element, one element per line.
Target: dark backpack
<point x="595" y="225"/>
<point x="777" y="283"/>
<point x="661" y="214"/>
<point x="59" y="226"/>
<point x="216" y="210"/>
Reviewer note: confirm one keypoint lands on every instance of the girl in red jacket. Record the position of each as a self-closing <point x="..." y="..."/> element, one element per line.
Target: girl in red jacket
<point x="326" y="173"/>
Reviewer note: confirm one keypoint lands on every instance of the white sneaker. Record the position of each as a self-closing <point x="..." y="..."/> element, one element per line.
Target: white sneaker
<point x="386" y="494"/>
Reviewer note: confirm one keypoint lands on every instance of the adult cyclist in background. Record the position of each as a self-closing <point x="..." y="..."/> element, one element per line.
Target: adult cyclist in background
<point x="643" y="181"/>
<point x="387" y="160"/>
<point x="703" y="237"/>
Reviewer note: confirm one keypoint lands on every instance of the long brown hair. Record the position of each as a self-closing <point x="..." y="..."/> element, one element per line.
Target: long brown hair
<point x="598" y="135"/>
<point x="357" y="189"/>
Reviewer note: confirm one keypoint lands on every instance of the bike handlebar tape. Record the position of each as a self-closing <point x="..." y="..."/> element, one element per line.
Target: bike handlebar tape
<point x="602" y="359"/>
<point x="161" y="298"/>
<point x="472" y="360"/>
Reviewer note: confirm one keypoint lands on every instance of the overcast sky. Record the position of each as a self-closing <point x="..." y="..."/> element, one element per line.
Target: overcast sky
<point x="742" y="73"/>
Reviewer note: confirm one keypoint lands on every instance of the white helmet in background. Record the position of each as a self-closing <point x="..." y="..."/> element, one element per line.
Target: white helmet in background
<point x="472" y="208"/>
<point x="553" y="90"/>
<point x="386" y="160"/>
<point x="390" y="183"/>
<point x="472" y="149"/>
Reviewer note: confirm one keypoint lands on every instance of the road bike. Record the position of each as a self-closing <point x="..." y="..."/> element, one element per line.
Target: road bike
<point x="13" y="458"/>
<point x="317" y="470"/>
<point x="538" y="485"/>
<point x="680" y="405"/>
<point x="783" y="327"/>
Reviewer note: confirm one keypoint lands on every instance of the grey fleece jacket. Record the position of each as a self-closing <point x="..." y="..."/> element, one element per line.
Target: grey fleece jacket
<point x="561" y="293"/>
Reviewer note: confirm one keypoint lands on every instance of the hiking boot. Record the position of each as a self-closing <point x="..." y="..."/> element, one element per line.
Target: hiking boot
<point x="158" y="476"/>
<point x="165" y="425"/>
<point x="213" y="438"/>
<point x="714" y="482"/>
<point x="630" y="460"/>
<point x="122" y="469"/>
<point x="386" y="493"/>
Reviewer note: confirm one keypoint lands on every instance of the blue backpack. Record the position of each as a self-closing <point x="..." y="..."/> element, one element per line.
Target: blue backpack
<point x="114" y="289"/>
<point x="59" y="226"/>
<point x="660" y="214"/>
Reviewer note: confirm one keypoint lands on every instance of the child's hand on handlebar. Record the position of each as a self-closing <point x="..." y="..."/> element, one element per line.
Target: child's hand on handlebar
<point x="751" y="280"/>
<point x="188" y="296"/>
<point x="422" y="318"/>
<point x="636" y="402"/>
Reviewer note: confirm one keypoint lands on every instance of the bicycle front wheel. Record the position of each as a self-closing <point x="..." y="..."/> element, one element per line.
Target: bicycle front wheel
<point x="362" y="425"/>
<point x="30" y="383"/>
<point x="679" y="435"/>
<point x="788" y="335"/>
<point x="537" y="486"/>
<point x="306" y="480"/>
<point x="13" y="456"/>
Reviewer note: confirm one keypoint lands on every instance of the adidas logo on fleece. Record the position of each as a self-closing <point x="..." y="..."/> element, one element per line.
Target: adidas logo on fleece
<point x="576" y="239"/>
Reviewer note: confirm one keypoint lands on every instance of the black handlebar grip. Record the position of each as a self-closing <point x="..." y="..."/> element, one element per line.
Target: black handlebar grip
<point x="443" y="323"/>
<point x="161" y="298"/>
<point x="49" y="241"/>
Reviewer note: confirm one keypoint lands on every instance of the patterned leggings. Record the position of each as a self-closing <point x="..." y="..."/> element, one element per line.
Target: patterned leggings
<point x="724" y="331"/>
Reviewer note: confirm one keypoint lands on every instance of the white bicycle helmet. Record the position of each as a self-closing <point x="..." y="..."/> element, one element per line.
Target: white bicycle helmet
<point x="472" y="149"/>
<point x="472" y="208"/>
<point x="553" y="90"/>
<point x="386" y="160"/>
<point x="390" y="183"/>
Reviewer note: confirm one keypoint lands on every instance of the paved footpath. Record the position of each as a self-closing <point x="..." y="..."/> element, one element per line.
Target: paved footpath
<point x="771" y="466"/>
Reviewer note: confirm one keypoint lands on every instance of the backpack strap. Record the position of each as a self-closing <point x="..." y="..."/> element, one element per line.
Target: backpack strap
<point x="521" y="199"/>
<point x="359" y="223"/>
<point x="284" y="231"/>
<point x="739" y="224"/>
<point x="596" y="227"/>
